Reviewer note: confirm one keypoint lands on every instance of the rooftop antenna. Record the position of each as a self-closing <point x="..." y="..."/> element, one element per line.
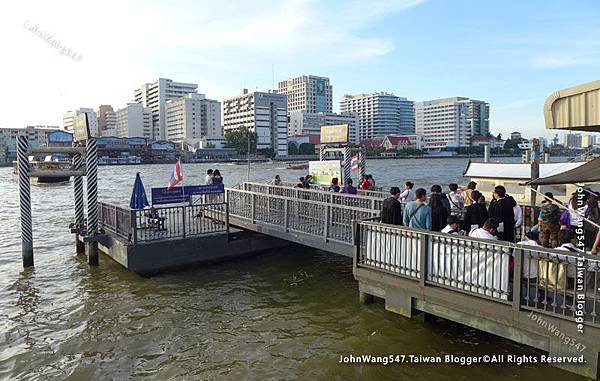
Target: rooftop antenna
<point x="273" y="76"/>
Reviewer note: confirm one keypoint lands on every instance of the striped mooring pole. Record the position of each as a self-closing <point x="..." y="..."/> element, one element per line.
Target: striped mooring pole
<point x="322" y="153"/>
<point x="92" y="198"/>
<point x="79" y="212"/>
<point x="25" y="202"/>
<point x="362" y="160"/>
<point x="347" y="164"/>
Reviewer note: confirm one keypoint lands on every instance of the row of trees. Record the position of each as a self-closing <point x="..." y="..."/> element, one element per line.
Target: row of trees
<point x="242" y="138"/>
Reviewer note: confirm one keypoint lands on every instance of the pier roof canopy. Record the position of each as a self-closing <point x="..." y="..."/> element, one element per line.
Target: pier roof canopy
<point x="574" y="109"/>
<point x="586" y="173"/>
<point x="520" y="171"/>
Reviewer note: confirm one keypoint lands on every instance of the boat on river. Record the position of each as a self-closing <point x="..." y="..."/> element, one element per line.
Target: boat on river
<point x="50" y="170"/>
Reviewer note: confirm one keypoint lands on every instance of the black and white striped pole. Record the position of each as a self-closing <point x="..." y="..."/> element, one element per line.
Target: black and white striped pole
<point x="347" y="164"/>
<point x="362" y="160"/>
<point x="92" y="198"/>
<point x="323" y="153"/>
<point x="25" y="202"/>
<point x="79" y="212"/>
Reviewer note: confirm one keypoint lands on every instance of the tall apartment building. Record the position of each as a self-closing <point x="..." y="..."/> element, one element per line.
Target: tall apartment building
<point x="132" y="121"/>
<point x="304" y="123"/>
<point x="380" y="114"/>
<point x="155" y="95"/>
<point x="450" y="122"/>
<point x="193" y="118"/>
<point x="106" y="118"/>
<point x="478" y="116"/>
<point x="588" y="140"/>
<point x="92" y="118"/>
<point x="308" y="93"/>
<point x="263" y="113"/>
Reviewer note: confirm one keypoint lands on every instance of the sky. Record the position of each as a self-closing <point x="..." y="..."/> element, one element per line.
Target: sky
<point x="513" y="54"/>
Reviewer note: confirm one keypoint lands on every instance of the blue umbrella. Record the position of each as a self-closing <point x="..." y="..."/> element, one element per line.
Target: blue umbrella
<point x="138" y="197"/>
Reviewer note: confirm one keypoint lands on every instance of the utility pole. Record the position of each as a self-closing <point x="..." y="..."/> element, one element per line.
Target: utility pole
<point x="248" y="156"/>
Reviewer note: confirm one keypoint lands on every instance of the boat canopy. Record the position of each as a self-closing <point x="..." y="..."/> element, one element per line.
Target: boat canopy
<point x="574" y="109"/>
<point x="520" y="171"/>
<point x="586" y="173"/>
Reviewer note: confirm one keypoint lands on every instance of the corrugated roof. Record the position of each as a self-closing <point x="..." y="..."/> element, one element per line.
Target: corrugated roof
<point x="576" y="108"/>
<point x="516" y="171"/>
<point x="587" y="173"/>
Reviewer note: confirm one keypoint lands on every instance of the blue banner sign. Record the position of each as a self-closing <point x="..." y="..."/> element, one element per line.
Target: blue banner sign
<point x="183" y="194"/>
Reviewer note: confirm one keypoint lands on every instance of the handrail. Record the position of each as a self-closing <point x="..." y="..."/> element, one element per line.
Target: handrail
<point x="544" y="280"/>
<point x="170" y="222"/>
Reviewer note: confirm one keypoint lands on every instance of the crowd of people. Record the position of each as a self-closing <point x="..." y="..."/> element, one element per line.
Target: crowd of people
<point x="466" y="212"/>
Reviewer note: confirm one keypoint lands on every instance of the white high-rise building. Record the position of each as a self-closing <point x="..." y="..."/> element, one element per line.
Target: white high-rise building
<point x="380" y="114"/>
<point x="308" y="93"/>
<point x="133" y="121"/>
<point x="450" y="122"/>
<point x="69" y="116"/>
<point x="193" y="118"/>
<point x="155" y="95"/>
<point x="263" y="113"/>
<point x="304" y="123"/>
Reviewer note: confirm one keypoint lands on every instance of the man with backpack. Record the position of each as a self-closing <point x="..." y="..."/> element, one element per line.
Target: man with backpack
<point x="550" y="221"/>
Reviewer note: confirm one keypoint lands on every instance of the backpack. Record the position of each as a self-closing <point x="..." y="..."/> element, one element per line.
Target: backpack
<point x="551" y="213"/>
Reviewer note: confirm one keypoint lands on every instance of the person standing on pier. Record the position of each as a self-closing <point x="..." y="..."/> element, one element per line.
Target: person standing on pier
<point x="335" y="185"/>
<point x="501" y="209"/>
<point x="217" y="178"/>
<point x="408" y="194"/>
<point x="208" y="177"/>
<point x="469" y="199"/>
<point x="417" y="214"/>
<point x="439" y="210"/>
<point x="391" y="212"/>
<point x="277" y="180"/>
<point x="488" y="231"/>
<point x="476" y="213"/>
<point x="456" y="199"/>
<point x="349" y="188"/>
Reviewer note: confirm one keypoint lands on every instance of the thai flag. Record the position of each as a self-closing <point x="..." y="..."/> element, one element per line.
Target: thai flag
<point x="176" y="176"/>
<point x="354" y="163"/>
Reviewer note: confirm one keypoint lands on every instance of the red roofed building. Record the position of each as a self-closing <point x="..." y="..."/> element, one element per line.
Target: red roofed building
<point x="481" y="140"/>
<point x="402" y="141"/>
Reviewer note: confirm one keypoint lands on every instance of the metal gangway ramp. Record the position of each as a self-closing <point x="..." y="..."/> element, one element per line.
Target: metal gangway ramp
<point x="311" y="217"/>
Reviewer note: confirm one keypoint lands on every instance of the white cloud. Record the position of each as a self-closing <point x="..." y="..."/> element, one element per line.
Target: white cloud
<point x="554" y="62"/>
<point x="219" y="44"/>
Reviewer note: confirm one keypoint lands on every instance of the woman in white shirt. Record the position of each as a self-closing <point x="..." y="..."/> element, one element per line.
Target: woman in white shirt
<point x="408" y="194"/>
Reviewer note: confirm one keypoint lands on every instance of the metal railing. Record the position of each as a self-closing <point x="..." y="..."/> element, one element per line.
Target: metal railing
<point x="173" y="222"/>
<point x="375" y="191"/>
<point x="332" y="222"/>
<point x="359" y="201"/>
<point x="115" y="219"/>
<point x="547" y="281"/>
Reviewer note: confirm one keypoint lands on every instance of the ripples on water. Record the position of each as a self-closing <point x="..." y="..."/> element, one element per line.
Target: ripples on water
<point x="284" y="315"/>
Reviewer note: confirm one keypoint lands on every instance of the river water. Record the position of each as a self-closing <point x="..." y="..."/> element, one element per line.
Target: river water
<point x="288" y="314"/>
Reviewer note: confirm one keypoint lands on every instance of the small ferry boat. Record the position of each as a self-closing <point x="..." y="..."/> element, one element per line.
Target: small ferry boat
<point x="49" y="169"/>
<point x="297" y="166"/>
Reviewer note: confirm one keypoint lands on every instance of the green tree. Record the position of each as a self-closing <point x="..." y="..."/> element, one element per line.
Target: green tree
<point x="238" y="139"/>
<point x="268" y="152"/>
<point x="306" y="149"/>
<point x="292" y="148"/>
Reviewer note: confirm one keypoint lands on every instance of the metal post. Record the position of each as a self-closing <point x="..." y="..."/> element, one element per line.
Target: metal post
<point x="133" y="219"/>
<point x="92" y="197"/>
<point x="347" y="165"/>
<point x="183" y="219"/>
<point x="486" y="153"/>
<point x="253" y="213"/>
<point x="423" y="260"/>
<point x="227" y="217"/>
<point x="25" y="202"/>
<point x="516" y="304"/>
<point x="327" y="217"/>
<point x="362" y="162"/>
<point x="286" y="215"/>
<point x="546" y="157"/>
<point x="79" y="210"/>
<point x="535" y="174"/>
